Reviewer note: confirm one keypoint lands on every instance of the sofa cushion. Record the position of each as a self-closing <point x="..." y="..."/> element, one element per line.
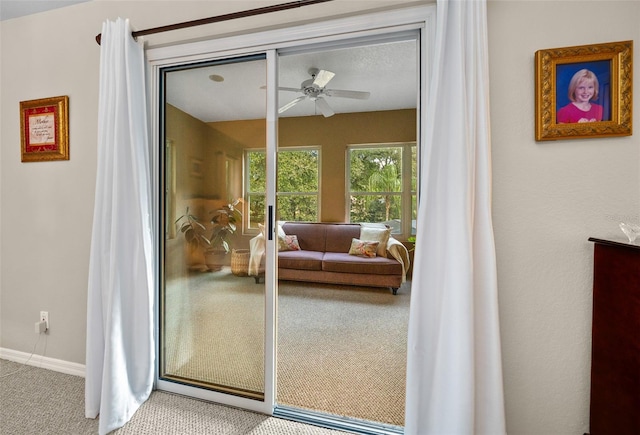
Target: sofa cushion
<point x="374" y="234"/>
<point x="311" y="236"/>
<point x="345" y="263"/>
<point x="302" y="260"/>
<point x="339" y="237"/>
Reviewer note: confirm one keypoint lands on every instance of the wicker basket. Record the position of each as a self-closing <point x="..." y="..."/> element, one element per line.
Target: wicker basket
<point x="240" y="262"/>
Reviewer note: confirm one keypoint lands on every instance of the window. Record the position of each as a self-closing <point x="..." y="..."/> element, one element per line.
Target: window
<point x="297" y="185"/>
<point x="381" y="185"/>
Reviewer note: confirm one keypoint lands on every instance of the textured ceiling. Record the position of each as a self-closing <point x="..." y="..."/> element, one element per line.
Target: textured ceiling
<point x="388" y="71"/>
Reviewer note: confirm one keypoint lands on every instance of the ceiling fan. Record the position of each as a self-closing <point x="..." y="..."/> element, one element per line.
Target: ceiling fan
<point x="314" y="89"/>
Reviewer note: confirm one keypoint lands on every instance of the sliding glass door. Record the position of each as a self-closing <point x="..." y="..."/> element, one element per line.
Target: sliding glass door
<point x="320" y="124"/>
<point x="346" y="154"/>
<point x="212" y="313"/>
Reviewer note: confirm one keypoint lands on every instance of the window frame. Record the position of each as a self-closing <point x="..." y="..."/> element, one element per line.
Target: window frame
<point x="246" y="229"/>
<point x="406" y="194"/>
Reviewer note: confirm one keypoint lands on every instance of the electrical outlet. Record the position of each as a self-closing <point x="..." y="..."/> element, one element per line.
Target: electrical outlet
<point x="44" y="317"/>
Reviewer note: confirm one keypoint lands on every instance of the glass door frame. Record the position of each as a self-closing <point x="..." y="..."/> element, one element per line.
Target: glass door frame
<point x="365" y="26"/>
<point x="219" y="396"/>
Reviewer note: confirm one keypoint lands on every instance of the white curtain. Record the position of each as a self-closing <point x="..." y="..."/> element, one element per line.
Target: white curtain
<point x="120" y="346"/>
<point x="454" y="370"/>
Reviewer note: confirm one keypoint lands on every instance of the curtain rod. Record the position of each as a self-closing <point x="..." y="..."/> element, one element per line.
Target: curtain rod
<point x="225" y="17"/>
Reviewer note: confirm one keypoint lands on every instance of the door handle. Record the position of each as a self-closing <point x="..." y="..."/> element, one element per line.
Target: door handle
<point x="270" y="222"/>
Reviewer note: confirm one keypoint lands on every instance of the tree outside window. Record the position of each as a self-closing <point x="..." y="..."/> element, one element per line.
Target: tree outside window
<point x="382" y="185"/>
<point x="297" y="184"/>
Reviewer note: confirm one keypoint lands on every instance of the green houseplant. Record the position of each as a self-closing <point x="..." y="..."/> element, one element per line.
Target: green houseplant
<point x="412" y="240"/>
<point x="194" y="235"/>
<point x="223" y="227"/>
<point x="189" y="225"/>
<point x="215" y="243"/>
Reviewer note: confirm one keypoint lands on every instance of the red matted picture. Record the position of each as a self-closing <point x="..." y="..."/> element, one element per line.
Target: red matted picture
<point x="44" y="129"/>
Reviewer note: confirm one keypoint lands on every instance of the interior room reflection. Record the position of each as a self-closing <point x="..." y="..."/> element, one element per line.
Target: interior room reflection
<point x="336" y="342"/>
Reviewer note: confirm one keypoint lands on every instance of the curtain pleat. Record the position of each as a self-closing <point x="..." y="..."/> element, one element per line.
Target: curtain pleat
<point x="454" y="369"/>
<point x="120" y="345"/>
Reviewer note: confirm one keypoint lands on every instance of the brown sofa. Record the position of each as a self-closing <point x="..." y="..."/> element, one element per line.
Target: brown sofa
<point x="323" y="257"/>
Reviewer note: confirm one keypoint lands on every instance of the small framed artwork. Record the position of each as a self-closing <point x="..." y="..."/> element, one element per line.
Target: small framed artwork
<point x="196" y="168"/>
<point x="584" y="91"/>
<point x="44" y="129"/>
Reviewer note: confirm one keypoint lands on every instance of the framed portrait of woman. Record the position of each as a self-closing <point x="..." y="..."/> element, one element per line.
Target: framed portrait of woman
<point x="584" y="91"/>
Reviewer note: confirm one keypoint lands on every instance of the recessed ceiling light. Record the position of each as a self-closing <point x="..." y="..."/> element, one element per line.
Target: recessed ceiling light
<point x="216" y="78"/>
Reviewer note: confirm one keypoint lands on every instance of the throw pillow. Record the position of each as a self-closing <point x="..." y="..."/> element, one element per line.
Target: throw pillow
<point x="380" y="235"/>
<point x="281" y="232"/>
<point x="288" y="243"/>
<point x="363" y="248"/>
<point x="281" y="236"/>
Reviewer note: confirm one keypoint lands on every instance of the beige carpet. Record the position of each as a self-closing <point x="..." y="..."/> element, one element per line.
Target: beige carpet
<point x="38" y="401"/>
<point x="214" y="327"/>
<point x="35" y="401"/>
<point x="341" y="349"/>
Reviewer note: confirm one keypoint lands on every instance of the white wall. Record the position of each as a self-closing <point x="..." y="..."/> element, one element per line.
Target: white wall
<point x="47" y="208"/>
<point x="548" y="197"/>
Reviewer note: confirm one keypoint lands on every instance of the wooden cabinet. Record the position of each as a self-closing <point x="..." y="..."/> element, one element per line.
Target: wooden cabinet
<point x="615" y="364"/>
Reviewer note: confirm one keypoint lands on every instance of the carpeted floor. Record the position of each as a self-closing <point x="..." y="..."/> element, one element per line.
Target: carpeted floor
<point x="38" y="401"/>
<point x="35" y="401"/>
<point x="341" y="349"/>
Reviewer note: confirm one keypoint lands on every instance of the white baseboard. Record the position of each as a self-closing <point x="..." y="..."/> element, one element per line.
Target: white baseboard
<point x="44" y="362"/>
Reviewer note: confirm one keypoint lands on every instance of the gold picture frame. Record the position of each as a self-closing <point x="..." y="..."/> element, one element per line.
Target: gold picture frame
<point x="609" y="67"/>
<point x="44" y="129"/>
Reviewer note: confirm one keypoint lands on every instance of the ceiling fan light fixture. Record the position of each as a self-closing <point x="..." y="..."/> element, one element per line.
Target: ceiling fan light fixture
<point x="314" y="88"/>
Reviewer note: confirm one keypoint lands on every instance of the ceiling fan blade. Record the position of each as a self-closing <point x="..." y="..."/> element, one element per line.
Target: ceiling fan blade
<point x="282" y="88"/>
<point x="290" y="104"/>
<point x="322" y="104"/>
<point x="322" y="78"/>
<point x="358" y="95"/>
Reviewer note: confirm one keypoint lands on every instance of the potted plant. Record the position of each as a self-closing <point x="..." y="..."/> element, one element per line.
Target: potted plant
<point x="194" y="234"/>
<point x="223" y="227"/>
<point x="412" y="240"/>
